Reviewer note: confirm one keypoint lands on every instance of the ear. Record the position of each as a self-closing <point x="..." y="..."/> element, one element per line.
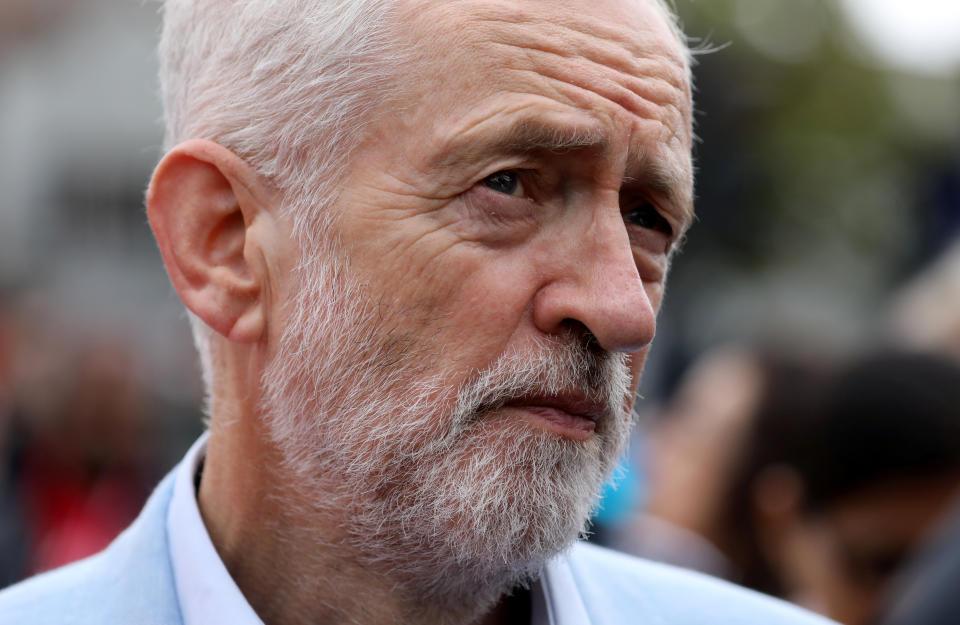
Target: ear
<point x="202" y="203"/>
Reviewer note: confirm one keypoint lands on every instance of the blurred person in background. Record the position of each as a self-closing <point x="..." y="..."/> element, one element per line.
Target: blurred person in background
<point x="840" y="496"/>
<point x="926" y="313"/>
<point x="13" y="564"/>
<point x="828" y="479"/>
<point x="688" y="452"/>
<point x="81" y="464"/>
<point x="695" y="446"/>
<point x="75" y="444"/>
<point x="924" y="591"/>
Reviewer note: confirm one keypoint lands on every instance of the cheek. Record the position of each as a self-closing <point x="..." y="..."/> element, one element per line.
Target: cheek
<point x="469" y="302"/>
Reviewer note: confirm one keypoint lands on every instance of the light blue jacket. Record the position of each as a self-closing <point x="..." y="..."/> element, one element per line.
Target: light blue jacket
<point x="131" y="583"/>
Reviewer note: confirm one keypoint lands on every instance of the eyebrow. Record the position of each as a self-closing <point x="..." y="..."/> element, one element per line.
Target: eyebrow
<point x="535" y="135"/>
<point x="524" y="136"/>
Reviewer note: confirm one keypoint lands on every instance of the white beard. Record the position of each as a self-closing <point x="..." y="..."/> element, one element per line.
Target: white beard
<point x="451" y="499"/>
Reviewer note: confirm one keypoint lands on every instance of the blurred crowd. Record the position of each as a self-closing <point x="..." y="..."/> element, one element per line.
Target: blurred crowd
<point x="828" y="477"/>
<point x="83" y="437"/>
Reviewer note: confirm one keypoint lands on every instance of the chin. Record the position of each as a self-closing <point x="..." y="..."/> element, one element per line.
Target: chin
<point x="485" y="515"/>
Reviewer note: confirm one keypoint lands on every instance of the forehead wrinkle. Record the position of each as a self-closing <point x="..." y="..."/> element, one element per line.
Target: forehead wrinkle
<point x="633" y="78"/>
<point x="631" y="55"/>
<point x="661" y="108"/>
<point x="646" y="94"/>
<point x="637" y="68"/>
<point x="567" y="27"/>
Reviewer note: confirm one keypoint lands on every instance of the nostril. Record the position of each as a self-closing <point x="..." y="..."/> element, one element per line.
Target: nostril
<point x="578" y="331"/>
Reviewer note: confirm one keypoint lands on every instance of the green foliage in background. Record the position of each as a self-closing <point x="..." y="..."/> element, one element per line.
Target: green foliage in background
<point x="816" y="169"/>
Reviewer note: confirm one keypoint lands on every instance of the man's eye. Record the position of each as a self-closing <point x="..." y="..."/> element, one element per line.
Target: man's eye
<point x="647" y="216"/>
<point x="507" y="181"/>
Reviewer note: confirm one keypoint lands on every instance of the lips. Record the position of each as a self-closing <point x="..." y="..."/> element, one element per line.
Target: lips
<point x="571" y="415"/>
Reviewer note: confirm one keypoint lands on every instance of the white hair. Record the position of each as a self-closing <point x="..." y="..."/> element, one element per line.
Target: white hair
<point x="287" y="85"/>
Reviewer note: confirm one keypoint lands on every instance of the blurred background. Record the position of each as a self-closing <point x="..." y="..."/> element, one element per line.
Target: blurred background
<point x="824" y="267"/>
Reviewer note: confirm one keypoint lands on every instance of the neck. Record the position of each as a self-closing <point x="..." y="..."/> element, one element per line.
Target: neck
<point x="289" y="557"/>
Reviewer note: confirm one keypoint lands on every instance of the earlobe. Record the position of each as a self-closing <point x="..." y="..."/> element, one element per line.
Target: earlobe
<point x="202" y="212"/>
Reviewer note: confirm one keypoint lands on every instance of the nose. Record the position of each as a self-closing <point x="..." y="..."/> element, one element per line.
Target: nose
<point x="596" y="283"/>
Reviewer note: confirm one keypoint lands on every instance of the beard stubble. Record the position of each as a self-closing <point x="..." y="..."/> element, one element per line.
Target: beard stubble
<point x="435" y="487"/>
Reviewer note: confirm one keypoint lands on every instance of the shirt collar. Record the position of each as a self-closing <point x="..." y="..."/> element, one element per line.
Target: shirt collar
<point x="560" y="595"/>
<point x="208" y="594"/>
<point x="206" y="591"/>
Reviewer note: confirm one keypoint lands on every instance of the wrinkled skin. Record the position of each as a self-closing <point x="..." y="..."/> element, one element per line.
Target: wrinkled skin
<point x="471" y="270"/>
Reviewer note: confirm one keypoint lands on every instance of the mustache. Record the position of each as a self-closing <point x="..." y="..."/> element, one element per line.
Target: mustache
<point x="569" y="364"/>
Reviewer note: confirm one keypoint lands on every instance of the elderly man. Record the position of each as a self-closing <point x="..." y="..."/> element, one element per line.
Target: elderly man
<point x="423" y="244"/>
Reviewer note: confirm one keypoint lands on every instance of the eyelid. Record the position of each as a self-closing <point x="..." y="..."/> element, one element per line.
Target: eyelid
<point x="497" y="209"/>
<point x="663" y="241"/>
<point x="673" y="214"/>
<point x="635" y="189"/>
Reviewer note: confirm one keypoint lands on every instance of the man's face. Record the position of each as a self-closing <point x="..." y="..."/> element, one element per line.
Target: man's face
<point x="465" y="356"/>
<point x="533" y="176"/>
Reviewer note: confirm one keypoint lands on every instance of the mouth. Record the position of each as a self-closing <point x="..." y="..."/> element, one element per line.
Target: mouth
<point x="571" y="416"/>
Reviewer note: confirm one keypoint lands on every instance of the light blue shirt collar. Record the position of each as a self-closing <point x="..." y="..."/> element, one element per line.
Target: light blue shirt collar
<point x="207" y="593"/>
